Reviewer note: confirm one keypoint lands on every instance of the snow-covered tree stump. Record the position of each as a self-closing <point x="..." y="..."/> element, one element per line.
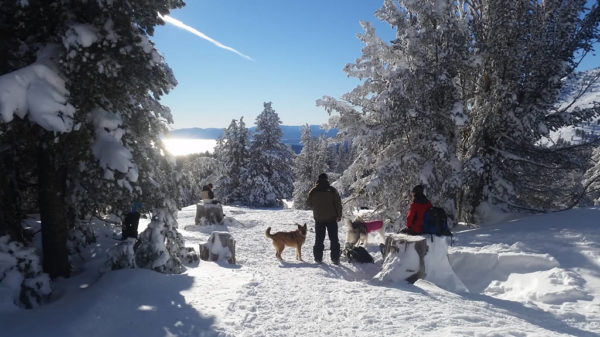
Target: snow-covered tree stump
<point x="410" y="250"/>
<point x="211" y="213"/>
<point x="413" y="257"/>
<point x="219" y="247"/>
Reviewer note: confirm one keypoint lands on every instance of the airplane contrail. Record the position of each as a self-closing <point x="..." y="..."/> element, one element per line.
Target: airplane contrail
<point x="194" y="31"/>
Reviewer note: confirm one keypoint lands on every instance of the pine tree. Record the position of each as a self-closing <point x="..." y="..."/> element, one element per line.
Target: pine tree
<point x="100" y="149"/>
<point x="232" y="154"/>
<point x="459" y="102"/>
<point x="524" y="50"/>
<point x="403" y="119"/>
<point x="269" y="177"/>
<point x="308" y="164"/>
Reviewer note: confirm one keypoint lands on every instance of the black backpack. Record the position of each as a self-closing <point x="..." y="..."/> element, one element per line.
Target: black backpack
<point x="436" y="222"/>
<point x="359" y="254"/>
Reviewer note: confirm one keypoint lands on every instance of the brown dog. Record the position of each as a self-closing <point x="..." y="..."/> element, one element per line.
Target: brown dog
<point x="291" y="239"/>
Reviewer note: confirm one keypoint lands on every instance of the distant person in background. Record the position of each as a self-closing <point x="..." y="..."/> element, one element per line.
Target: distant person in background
<point x="207" y="195"/>
<point x="416" y="212"/>
<point x="326" y="204"/>
<point x="207" y="192"/>
<point x="129" y="228"/>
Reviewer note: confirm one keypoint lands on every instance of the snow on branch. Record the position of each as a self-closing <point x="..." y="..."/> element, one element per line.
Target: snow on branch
<point x="107" y="146"/>
<point x="39" y="93"/>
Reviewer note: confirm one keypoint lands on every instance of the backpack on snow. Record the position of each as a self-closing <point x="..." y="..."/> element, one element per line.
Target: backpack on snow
<point x="436" y="222"/>
<point x="359" y="254"/>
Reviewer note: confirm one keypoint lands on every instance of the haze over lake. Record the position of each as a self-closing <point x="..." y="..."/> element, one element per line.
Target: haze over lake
<point x="183" y="146"/>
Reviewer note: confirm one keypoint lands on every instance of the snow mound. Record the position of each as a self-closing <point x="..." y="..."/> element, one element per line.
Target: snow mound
<point x="478" y="267"/>
<point x="437" y="266"/>
<point x="555" y="286"/>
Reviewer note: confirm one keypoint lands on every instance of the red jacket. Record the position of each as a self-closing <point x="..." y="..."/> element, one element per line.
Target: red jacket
<point x="416" y="213"/>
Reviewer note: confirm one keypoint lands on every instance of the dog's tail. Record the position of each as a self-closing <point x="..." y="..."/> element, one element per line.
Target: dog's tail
<point x="268" y="232"/>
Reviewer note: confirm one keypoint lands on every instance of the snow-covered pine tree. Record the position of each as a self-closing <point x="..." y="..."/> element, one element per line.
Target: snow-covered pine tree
<point x="96" y="68"/>
<point x="232" y="155"/>
<point x="308" y="164"/>
<point x="523" y="51"/>
<point x="269" y="177"/>
<point x="402" y="119"/>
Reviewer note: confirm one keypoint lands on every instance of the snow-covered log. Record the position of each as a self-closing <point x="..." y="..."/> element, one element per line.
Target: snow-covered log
<point x="219" y="247"/>
<point x="211" y="213"/>
<point x="408" y="257"/>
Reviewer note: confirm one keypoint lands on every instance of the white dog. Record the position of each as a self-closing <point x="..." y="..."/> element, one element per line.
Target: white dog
<point x="358" y="231"/>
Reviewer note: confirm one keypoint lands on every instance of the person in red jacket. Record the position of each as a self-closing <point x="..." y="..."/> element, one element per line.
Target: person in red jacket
<point x="416" y="212"/>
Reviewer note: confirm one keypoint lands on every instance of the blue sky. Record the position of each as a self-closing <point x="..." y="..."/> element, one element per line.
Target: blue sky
<point x="298" y="50"/>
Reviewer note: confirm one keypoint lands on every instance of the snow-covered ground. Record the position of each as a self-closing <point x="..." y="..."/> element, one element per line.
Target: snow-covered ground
<point x="535" y="276"/>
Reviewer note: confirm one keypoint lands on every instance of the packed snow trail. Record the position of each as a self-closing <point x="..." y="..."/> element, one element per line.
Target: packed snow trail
<point x="262" y="296"/>
<point x="544" y="278"/>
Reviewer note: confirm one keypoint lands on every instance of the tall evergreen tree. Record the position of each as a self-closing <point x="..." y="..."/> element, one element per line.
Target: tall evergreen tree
<point x="232" y="154"/>
<point x="459" y="101"/>
<point x="405" y="127"/>
<point x="269" y="177"/>
<point x="524" y="49"/>
<point x="97" y="139"/>
<point x="308" y="164"/>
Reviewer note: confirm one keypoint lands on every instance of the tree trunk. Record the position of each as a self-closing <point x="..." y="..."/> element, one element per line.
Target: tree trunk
<point x="10" y="210"/>
<point x="53" y="209"/>
<point x="211" y="213"/>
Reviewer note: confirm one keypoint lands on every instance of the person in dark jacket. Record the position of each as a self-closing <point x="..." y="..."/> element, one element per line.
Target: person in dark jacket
<point x="416" y="212"/>
<point x="130" y="223"/>
<point x="208" y="192"/>
<point x="326" y="204"/>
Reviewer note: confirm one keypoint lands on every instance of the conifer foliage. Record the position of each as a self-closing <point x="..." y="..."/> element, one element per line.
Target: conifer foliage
<point x="311" y="162"/>
<point x="83" y="118"/>
<point x="459" y="100"/>
<point x="402" y="118"/>
<point x="269" y="177"/>
<point x="232" y="154"/>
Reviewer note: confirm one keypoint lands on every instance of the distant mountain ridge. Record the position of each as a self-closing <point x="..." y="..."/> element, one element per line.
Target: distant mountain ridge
<point x="291" y="133"/>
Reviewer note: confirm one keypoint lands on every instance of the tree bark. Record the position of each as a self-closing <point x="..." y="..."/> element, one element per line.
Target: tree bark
<point x="10" y="210"/>
<point x="52" y="172"/>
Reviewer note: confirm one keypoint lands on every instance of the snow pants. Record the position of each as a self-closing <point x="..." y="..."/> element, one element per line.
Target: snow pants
<point x="332" y="231"/>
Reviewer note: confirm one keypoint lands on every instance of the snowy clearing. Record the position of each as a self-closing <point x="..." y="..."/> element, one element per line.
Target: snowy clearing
<point x="536" y="276"/>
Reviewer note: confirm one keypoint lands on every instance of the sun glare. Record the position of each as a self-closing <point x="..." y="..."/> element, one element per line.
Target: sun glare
<point x="183" y="146"/>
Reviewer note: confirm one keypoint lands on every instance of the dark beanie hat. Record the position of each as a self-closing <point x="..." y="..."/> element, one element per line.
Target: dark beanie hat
<point x="323" y="177"/>
<point x="418" y="190"/>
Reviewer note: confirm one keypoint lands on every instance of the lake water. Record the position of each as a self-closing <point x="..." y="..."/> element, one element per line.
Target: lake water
<point x="183" y="146"/>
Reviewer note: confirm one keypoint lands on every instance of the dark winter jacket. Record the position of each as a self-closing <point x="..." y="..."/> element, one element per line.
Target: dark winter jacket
<point x="207" y="193"/>
<point x="416" y="214"/>
<point x="325" y="202"/>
